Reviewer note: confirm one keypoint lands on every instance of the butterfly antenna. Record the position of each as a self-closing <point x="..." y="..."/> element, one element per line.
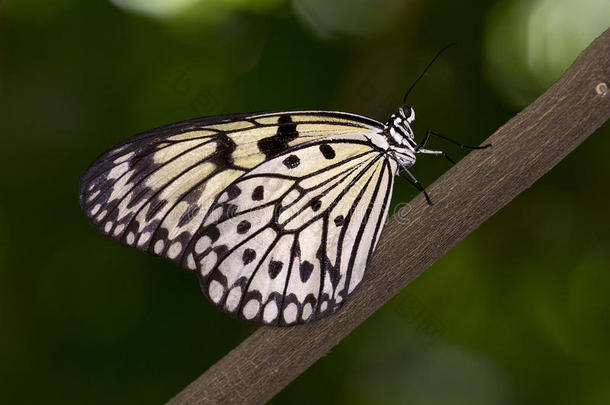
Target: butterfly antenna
<point x="404" y="99"/>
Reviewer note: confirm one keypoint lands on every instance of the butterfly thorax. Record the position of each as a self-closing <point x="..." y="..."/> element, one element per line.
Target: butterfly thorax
<point x="400" y="136"/>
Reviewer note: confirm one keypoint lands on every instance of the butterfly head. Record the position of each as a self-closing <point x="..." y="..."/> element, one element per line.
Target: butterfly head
<point x="400" y="136"/>
<point x="399" y="125"/>
<point x="407" y="114"/>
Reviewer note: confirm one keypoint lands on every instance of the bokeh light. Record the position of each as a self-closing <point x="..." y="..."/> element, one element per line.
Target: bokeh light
<point x="349" y="17"/>
<point x="530" y="43"/>
<point x="204" y="11"/>
<point x="156" y="8"/>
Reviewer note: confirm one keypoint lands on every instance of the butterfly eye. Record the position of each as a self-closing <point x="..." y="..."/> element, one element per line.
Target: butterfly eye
<point x="406" y="111"/>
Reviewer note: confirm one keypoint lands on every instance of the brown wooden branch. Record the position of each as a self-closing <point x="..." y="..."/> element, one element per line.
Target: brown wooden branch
<point x="524" y="149"/>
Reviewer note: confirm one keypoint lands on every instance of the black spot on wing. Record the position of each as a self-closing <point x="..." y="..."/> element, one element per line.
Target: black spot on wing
<point x="339" y="220"/>
<point x="276" y="144"/>
<point x="305" y="270"/>
<point x="274" y="268"/>
<point x="327" y="151"/>
<point x="243" y="227"/>
<point x="221" y="250"/>
<point x="233" y="191"/>
<point x="316" y="203"/>
<point x="292" y="161"/>
<point x="258" y="194"/>
<point x="223" y="157"/>
<point x="248" y="256"/>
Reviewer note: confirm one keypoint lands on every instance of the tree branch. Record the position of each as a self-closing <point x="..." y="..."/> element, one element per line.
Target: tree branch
<point x="524" y="149"/>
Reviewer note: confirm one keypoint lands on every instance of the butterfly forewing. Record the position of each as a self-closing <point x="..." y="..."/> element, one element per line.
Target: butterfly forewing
<point x="278" y="213"/>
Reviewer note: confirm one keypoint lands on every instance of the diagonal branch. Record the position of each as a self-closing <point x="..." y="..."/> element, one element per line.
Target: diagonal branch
<point x="524" y="149"/>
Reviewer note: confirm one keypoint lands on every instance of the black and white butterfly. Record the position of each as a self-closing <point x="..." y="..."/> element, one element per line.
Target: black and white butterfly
<point x="278" y="213"/>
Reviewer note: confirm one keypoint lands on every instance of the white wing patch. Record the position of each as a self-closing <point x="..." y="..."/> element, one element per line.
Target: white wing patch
<point x="278" y="213"/>
<point x="294" y="239"/>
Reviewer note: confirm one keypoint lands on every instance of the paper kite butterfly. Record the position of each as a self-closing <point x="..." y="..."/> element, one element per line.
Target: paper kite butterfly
<point x="278" y="213"/>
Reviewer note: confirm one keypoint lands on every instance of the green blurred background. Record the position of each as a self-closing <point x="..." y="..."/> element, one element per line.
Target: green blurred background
<point x="516" y="313"/>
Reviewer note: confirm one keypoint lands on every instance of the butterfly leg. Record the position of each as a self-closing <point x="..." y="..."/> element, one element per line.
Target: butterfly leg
<point x="434" y="152"/>
<point x="420" y="148"/>
<point x="411" y="179"/>
<point x="453" y="141"/>
<point x="425" y="140"/>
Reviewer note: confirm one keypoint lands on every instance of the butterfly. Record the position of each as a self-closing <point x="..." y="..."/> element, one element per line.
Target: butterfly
<point x="278" y="213"/>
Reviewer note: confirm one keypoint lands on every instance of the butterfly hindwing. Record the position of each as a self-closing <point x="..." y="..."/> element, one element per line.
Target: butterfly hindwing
<point x="295" y="254"/>
<point x="269" y="209"/>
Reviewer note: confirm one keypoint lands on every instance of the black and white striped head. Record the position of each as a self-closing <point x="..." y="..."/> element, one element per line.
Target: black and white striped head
<point x="408" y="115"/>
<point x="399" y="125"/>
<point x="402" y="146"/>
